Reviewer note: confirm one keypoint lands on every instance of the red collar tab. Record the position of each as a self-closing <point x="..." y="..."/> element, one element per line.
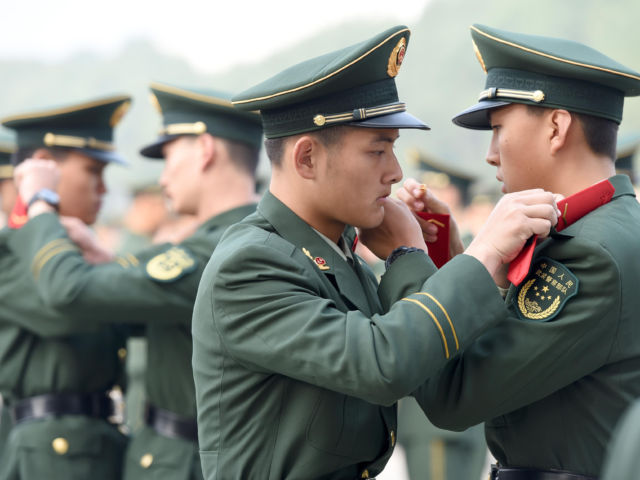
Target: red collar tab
<point x="578" y="205"/>
<point x="355" y="244"/>
<point x="439" y="250"/>
<point x="572" y="209"/>
<point x="19" y="215"/>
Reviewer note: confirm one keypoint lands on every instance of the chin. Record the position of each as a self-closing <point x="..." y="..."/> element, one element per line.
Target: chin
<point x="372" y="220"/>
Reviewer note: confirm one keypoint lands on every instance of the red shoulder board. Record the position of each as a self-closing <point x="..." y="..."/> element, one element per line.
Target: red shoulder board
<point x="572" y="209"/>
<point x="18" y="215"/>
<point x="439" y="250"/>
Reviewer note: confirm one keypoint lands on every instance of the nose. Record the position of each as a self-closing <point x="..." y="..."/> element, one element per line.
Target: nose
<point x="395" y="172"/>
<point x="493" y="153"/>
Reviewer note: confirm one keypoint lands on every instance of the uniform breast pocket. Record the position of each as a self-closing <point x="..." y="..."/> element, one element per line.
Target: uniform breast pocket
<point x="510" y="418"/>
<point x="346" y="426"/>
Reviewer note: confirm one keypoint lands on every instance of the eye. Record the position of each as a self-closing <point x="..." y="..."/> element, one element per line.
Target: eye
<point x="495" y="127"/>
<point x="378" y="152"/>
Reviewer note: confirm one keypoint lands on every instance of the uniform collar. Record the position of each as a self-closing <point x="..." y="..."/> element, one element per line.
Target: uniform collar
<point x="229" y="217"/>
<point x="622" y="186"/>
<point x="295" y="230"/>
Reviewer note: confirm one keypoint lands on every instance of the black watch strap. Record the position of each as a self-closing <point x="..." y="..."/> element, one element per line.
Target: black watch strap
<point x="399" y="252"/>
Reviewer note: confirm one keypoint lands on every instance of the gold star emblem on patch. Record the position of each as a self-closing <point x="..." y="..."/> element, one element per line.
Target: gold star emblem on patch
<point x="545" y="289"/>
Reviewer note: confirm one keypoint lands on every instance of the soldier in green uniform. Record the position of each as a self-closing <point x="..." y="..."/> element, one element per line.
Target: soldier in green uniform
<point x="211" y="152"/>
<point x="623" y="460"/>
<point x="8" y="195"/>
<point x="299" y="356"/>
<point x="551" y="382"/>
<point x="56" y="371"/>
<point x="433" y="453"/>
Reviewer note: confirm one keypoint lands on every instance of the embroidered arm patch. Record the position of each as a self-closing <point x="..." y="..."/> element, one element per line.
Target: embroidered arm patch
<point x="545" y="290"/>
<point x="171" y="265"/>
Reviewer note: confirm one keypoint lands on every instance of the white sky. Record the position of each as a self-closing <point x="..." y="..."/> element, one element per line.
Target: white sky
<point x="53" y="30"/>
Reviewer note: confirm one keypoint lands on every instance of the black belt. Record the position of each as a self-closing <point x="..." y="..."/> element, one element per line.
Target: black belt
<point x="172" y="425"/>
<point x="506" y="473"/>
<point x="56" y="404"/>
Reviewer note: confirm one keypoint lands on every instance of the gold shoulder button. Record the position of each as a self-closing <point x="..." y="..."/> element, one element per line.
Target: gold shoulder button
<point x="60" y="445"/>
<point x="146" y="460"/>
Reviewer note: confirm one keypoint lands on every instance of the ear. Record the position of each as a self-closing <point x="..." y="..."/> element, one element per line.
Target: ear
<point x="560" y="121"/>
<point x="305" y="155"/>
<point x="208" y="149"/>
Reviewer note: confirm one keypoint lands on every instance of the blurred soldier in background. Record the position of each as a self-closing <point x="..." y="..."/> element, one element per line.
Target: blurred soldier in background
<point x="8" y="196"/>
<point x="8" y="192"/>
<point x="211" y="153"/>
<point x="56" y="370"/>
<point x="625" y="164"/>
<point x="432" y="453"/>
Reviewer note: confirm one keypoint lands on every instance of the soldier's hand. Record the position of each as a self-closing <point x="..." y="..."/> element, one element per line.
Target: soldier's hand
<point x="80" y="234"/>
<point x="423" y="200"/>
<point x="31" y="176"/>
<point x="398" y="228"/>
<point x="516" y="217"/>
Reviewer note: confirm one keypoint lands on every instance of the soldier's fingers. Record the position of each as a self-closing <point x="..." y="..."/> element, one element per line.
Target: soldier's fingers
<point x="411" y="184"/>
<point x="429" y="238"/>
<point x="540" y="198"/>
<point x="427" y="227"/>
<point x="540" y="227"/>
<point x="409" y="200"/>
<point x="547" y="212"/>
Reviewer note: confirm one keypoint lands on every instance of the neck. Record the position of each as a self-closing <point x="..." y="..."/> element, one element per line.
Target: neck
<point x="299" y="203"/>
<point x="580" y="171"/>
<point x="225" y="192"/>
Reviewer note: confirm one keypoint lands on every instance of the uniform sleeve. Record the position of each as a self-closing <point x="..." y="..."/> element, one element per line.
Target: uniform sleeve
<point x="119" y="292"/>
<point x="522" y="361"/>
<point x="272" y="316"/>
<point x="623" y="461"/>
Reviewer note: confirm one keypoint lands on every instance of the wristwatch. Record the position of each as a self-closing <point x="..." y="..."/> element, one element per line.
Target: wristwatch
<point x="398" y="252"/>
<point x="47" y="196"/>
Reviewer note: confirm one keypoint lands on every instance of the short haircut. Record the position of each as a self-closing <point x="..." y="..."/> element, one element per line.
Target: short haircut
<point x="244" y="157"/>
<point x="330" y="138"/>
<point x="24" y="153"/>
<point x="600" y="133"/>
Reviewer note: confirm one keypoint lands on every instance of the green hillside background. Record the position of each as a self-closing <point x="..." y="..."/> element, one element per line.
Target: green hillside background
<point x="440" y="77"/>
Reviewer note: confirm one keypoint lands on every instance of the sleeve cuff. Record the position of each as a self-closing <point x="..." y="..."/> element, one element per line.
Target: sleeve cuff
<point x="405" y="276"/>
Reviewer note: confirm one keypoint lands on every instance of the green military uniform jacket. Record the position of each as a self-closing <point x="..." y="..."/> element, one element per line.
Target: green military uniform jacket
<point x="550" y="391"/>
<point x="43" y="351"/>
<point x="157" y="288"/>
<point x="622" y="461"/>
<point x="298" y="367"/>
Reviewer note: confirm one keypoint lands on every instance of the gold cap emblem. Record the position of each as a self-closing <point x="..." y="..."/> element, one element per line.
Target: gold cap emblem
<point x="60" y="445"/>
<point x="396" y="58"/>
<point x="477" y="50"/>
<point x="119" y="113"/>
<point x="146" y="460"/>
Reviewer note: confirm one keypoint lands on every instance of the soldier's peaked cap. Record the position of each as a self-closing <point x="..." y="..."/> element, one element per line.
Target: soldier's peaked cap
<point x="87" y="127"/>
<point x="193" y="112"/>
<point x="353" y="86"/>
<point x="549" y="72"/>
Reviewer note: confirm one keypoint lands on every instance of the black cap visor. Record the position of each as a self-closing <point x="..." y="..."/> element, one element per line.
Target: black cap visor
<point x="476" y="117"/>
<point x="104" y="156"/>
<point x="154" y="150"/>
<point x="394" y="120"/>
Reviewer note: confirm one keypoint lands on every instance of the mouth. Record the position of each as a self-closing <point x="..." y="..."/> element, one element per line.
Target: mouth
<point x="383" y="199"/>
<point x="503" y="188"/>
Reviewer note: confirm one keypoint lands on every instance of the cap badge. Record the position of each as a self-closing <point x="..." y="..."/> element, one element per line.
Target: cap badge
<point x="119" y="113"/>
<point x="396" y="58"/>
<point x="319" y="261"/>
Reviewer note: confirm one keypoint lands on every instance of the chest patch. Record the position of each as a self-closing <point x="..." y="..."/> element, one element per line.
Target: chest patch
<point x="545" y="290"/>
<point x="171" y="265"/>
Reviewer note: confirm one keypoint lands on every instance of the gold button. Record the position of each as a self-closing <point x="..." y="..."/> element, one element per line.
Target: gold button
<point x="319" y="120"/>
<point x="393" y="438"/>
<point x="146" y="460"/>
<point x="365" y="474"/>
<point x="122" y="353"/>
<point x="60" y="446"/>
